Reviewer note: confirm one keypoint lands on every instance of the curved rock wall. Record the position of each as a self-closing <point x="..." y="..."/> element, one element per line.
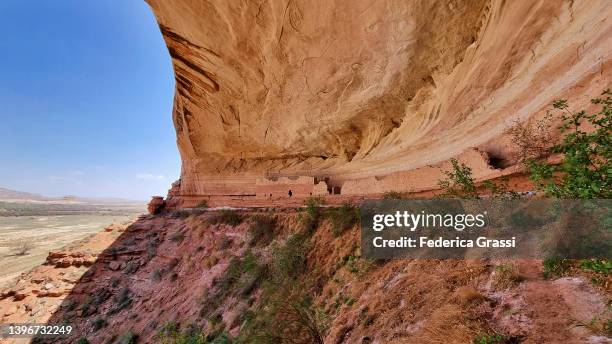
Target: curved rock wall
<point x="354" y="90"/>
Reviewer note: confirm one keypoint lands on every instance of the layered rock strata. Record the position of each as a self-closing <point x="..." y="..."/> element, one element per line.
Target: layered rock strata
<point x="366" y="95"/>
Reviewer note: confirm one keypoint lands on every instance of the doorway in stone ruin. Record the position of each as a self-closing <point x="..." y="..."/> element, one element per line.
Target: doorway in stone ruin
<point x="336" y="190"/>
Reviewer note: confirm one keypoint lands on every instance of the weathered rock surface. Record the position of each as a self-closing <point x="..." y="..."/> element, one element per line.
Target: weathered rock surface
<point x="355" y="90"/>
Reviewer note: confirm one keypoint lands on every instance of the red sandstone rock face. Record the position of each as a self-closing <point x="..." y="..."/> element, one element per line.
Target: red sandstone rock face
<point x="67" y="259"/>
<point x="364" y="92"/>
<point x="156" y="204"/>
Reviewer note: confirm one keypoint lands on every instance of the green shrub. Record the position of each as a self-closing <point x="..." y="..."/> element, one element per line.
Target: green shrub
<point x="289" y="316"/>
<point x="202" y="204"/>
<point x="310" y="220"/>
<point x="228" y="217"/>
<point x="491" y="339"/>
<point x="586" y="170"/>
<point x="500" y="189"/>
<point x="177" y="237"/>
<point x="531" y="139"/>
<point x="343" y="218"/>
<point x="241" y="273"/>
<point x="128" y="338"/>
<point x="459" y="182"/>
<point x="602" y="327"/>
<point x="171" y="333"/>
<point x="357" y="265"/>
<point x="555" y="266"/>
<point x="505" y="276"/>
<point x="98" y="323"/>
<point x="601" y="266"/>
<point x="289" y="260"/>
<point x="82" y="340"/>
<point x="123" y="299"/>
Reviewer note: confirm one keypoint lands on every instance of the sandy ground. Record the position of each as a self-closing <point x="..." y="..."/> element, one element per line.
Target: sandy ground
<point x="43" y="234"/>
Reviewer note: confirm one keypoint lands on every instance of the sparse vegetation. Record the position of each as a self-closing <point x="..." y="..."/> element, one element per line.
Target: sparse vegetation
<point x="128" y="338"/>
<point x="491" y="339"/>
<point x="555" y="266"/>
<point x="98" y="323"/>
<point x="261" y="231"/>
<point x="180" y="214"/>
<point x="343" y="218"/>
<point x="600" y="266"/>
<point x="242" y="274"/>
<point x="289" y="260"/>
<point x="531" y="139"/>
<point x="23" y="248"/>
<point x="459" y="182"/>
<point x="122" y="300"/>
<point x="310" y="220"/>
<point x="93" y="301"/>
<point x="289" y="316"/>
<point x="586" y="169"/>
<point x="601" y="327"/>
<point x="171" y="333"/>
<point x="505" y="276"/>
<point x="228" y="217"/>
<point x="394" y="195"/>
<point x="156" y="275"/>
<point x="177" y="237"/>
<point x="357" y="265"/>
<point x="131" y="267"/>
<point x="202" y="204"/>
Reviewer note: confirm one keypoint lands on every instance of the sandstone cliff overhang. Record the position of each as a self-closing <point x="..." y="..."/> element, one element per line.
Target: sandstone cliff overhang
<point x="356" y="91"/>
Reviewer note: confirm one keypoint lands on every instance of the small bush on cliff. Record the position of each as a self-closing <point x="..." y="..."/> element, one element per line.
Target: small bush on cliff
<point x="310" y="220"/>
<point x="289" y="260"/>
<point x="177" y="337"/>
<point x="122" y="300"/>
<point x="491" y="339"/>
<point x="128" y="338"/>
<point x="288" y="315"/>
<point x="23" y="248"/>
<point x="343" y="218"/>
<point x="242" y="273"/>
<point x="171" y="333"/>
<point x="600" y="266"/>
<point x="586" y="169"/>
<point x="505" y="276"/>
<point x="555" y="266"/>
<point x="459" y="182"/>
<point x="98" y="323"/>
<point x="261" y="231"/>
<point x="177" y="237"/>
<point x="532" y="140"/>
<point x="228" y="217"/>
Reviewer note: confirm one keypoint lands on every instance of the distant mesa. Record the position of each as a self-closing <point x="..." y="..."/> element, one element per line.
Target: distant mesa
<point x="12" y="194"/>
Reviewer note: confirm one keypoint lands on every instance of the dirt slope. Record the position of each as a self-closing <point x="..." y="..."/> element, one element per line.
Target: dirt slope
<point x="192" y="273"/>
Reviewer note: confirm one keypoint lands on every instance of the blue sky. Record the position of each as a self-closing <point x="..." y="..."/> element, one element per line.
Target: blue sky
<point x="86" y="91"/>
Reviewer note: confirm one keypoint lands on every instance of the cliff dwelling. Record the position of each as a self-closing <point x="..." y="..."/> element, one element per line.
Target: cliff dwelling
<point x="376" y="96"/>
